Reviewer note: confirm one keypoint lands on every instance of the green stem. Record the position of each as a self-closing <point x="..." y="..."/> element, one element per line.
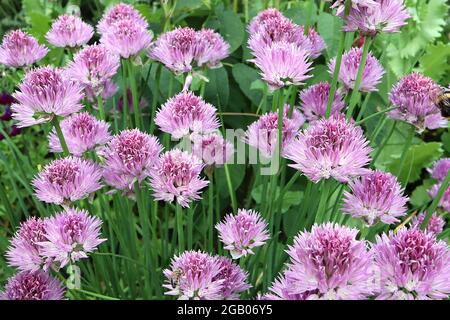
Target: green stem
<point x="374" y="115"/>
<point x="125" y="110"/>
<point x="60" y="134"/>
<point x="135" y="96"/>
<point x="408" y="142"/>
<point x="155" y="98"/>
<point x="432" y="208"/>
<point x="324" y="195"/>
<point x="180" y="226"/>
<point x="210" y="222"/>
<point x="385" y="141"/>
<point x="101" y="107"/>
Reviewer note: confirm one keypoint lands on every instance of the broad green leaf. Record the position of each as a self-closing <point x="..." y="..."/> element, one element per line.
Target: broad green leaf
<point x="231" y="28"/>
<point x="419" y="196"/>
<point x="217" y="89"/>
<point x="445" y="138"/>
<point x="435" y="62"/>
<point x="329" y="27"/>
<point x="237" y="173"/>
<point x="244" y="76"/>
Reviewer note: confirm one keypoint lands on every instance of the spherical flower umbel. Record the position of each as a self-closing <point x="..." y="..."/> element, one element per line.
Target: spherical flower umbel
<point x="93" y="68"/>
<point x="355" y="4"/>
<point x="376" y="196"/>
<point x="69" y="31"/>
<point x="176" y="49"/>
<point x="70" y="236"/>
<point x="19" y="49"/>
<point x="315" y="99"/>
<point x="126" y="38"/>
<point x="186" y="113"/>
<point x="380" y="16"/>
<point x="414" y="97"/>
<point x="412" y="265"/>
<point x="435" y="224"/>
<point x="263" y="133"/>
<point x="258" y="21"/>
<point x="120" y="12"/>
<point x="177" y="177"/>
<point x="45" y="93"/>
<point x="234" y="279"/>
<point x="281" y="290"/>
<point x="440" y="169"/>
<point x="24" y="251"/>
<point x="130" y="157"/>
<point x="283" y="64"/>
<point x="212" y="148"/>
<point x="329" y="263"/>
<point x="444" y="203"/>
<point x="371" y="76"/>
<point x="210" y="48"/>
<point x="37" y="285"/>
<point x="82" y="132"/>
<point x="243" y="232"/>
<point x="194" y="275"/>
<point x="330" y="148"/>
<point x="66" y="180"/>
<point x="317" y="43"/>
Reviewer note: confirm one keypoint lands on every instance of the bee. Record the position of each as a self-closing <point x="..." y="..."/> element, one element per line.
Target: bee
<point x="442" y="101"/>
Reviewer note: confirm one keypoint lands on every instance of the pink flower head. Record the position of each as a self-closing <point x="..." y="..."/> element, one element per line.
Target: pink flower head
<point x="355" y="4"/>
<point x="281" y="290"/>
<point x="44" y="93"/>
<point x="120" y="12"/>
<point x="440" y="169"/>
<point x="194" y="275"/>
<point x="435" y="225"/>
<point x="317" y="43"/>
<point x="19" y="49"/>
<point x="130" y="157"/>
<point x="283" y="64"/>
<point x="412" y="265"/>
<point x="444" y="203"/>
<point x="330" y="262"/>
<point x="382" y="16"/>
<point x="330" y="148"/>
<point x="108" y="90"/>
<point x="37" y="285"/>
<point x="234" y="279"/>
<point x="376" y="196"/>
<point x="263" y="133"/>
<point x="176" y="49"/>
<point x="70" y="236"/>
<point x="212" y="148"/>
<point x="126" y="38"/>
<point x="211" y="48"/>
<point x="372" y="74"/>
<point x="315" y="98"/>
<point x="24" y="251"/>
<point x="83" y="132"/>
<point x="258" y="22"/>
<point x="177" y="177"/>
<point x="414" y="97"/>
<point x="66" y="180"/>
<point x="93" y="68"/>
<point x="69" y="31"/>
<point x="186" y="113"/>
<point x="243" y="232"/>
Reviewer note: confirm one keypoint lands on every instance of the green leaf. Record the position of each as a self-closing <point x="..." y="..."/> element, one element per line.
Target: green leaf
<point x="445" y="138"/>
<point x="419" y="196"/>
<point x="245" y="76"/>
<point x="217" y="89"/>
<point x="237" y="173"/>
<point x="329" y="27"/>
<point x="231" y="28"/>
<point x="435" y="62"/>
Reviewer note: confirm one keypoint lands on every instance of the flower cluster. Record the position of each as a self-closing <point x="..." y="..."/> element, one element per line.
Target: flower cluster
<point x="69" y="31"/>
<point x="435" y="224"/>
<point x="212" y="148"/>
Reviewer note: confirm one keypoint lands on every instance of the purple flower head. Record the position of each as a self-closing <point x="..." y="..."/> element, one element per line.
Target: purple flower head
<point x="355" y="4"/>
<point x="69" y="31"/>
<point x="126" y="38"/>
<point x="38" y="285"/>
<point x="234" y="279"/>
<point x="283" y="64"/>
<point x="382" y="16"/>
<point x="66" y="180"/>
<point x="186" y="113"/>
<point x="211" y="48"/>
<point x="259" y="21"/>
<point x="212" y="148"/>
<point x="435" y="225"/>
<point x="43" y="94"/>
<point x="6" y="99"/>
<point x="372" y="74"/>
<point x="376" y="196"/>
<point x="7" y="115"/>
<point x="317" y="43"/>
<point x="414" y="97"/>
<point x="176" y="49"/>
<point x="70" y="236"/>
<point x="130" y="157"/>
<point x="263" y="133"/>
<point x="315" y="98"/>
<point x="330" y="148"/>
<point x="195" y="275"/>
<point x="24" y="251"/>
<point x="444" y="203"/>
<point x="281" y="290"/>
<point x="412" y="265"/>
<point x="93" y="68"/>
<point x="242" y="232"/>
<point x="83" y="132"/>
<point x="19" y="49"/>
<point x="329" y="263"/>
<point x="120" y="12"/>
<point x="177" y="177"/>
<point x="440" y="169"/>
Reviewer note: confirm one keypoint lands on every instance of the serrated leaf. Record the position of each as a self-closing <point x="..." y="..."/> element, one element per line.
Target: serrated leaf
<point x="434" y="63"/>
<point x="419" y="196"/>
